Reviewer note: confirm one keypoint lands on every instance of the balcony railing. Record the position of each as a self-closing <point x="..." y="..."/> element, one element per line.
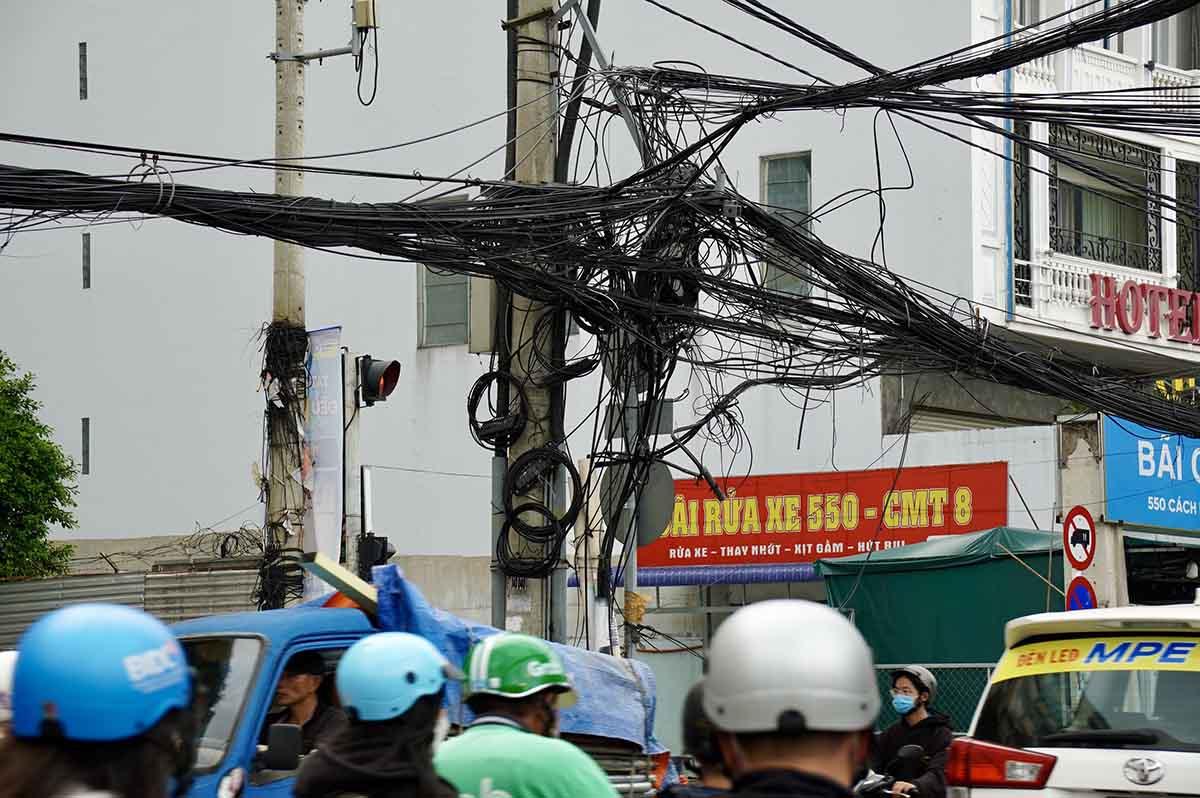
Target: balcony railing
<point x="1037" y="75"/>
<point x="1023" y="283"/>
<point x="1097" y="69"/>
<point x="1058" y="288"/>
<point x="1176" y="86"/>
<point x="1106" y="250"/>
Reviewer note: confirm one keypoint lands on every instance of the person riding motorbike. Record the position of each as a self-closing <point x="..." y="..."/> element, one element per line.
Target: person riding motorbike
<point x="515" y="684"/>
<point x="700" y="744"/>
<point x="392" y="685"/>
<point x="102" y="705"/>
<point x="791" y="691"/>
<point x="914" y="689"/>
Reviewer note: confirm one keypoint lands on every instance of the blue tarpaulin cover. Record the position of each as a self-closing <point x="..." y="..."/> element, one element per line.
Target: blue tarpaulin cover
<point x="616" y="696"/>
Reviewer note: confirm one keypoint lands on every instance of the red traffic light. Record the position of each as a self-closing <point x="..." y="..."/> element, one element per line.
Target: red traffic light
<point x="377" y="379"/>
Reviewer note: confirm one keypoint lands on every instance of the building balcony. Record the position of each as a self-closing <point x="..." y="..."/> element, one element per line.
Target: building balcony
<point x="1176" y="85"/>
<point x="1096" y="69"/>
<point x="1067" y="299"/>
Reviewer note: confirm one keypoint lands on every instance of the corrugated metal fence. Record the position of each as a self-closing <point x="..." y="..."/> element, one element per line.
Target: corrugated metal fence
<point x="171" y="596"/>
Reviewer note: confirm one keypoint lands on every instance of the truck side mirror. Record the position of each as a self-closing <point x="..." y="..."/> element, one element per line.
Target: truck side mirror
<point x="284" y="741"/>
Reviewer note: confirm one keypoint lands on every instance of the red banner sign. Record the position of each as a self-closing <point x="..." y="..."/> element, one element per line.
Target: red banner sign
<point x="790" y="518"/>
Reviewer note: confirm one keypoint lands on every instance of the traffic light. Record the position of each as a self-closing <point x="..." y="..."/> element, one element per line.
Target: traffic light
<point x="373" y="550"/>
<point x="376" y="379"/>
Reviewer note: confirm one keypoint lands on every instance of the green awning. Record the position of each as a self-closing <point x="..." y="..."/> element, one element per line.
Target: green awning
<point x="947" y="551"/>
<point x="947" y="600"/>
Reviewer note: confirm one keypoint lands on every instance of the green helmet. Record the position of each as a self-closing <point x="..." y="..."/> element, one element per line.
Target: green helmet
<point x="514" y="666"/>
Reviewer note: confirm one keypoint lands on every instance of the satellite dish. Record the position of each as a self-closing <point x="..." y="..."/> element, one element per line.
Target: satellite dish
<point x="654" y="510"/>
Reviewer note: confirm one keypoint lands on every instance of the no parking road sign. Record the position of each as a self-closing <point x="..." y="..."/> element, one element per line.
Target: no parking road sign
<point x="1080" y="594"/>
<point x="1079" y="538"/>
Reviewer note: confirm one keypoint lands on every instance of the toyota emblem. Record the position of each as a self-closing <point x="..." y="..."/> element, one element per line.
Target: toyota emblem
<point x="1143" y="770"/>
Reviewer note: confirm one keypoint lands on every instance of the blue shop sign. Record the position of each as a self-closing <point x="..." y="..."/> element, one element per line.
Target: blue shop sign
<point x="1151" y="478"/>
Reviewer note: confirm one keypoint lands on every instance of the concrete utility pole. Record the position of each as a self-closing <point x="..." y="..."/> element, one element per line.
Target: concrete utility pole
<point x="352" y="528"/>
<point x="536" y="149"/>
<point x="285" y="496"/>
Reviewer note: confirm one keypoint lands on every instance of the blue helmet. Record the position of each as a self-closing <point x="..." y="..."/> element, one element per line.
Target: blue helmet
<point x="381" y="676"/>
<point x="97" y="672"/>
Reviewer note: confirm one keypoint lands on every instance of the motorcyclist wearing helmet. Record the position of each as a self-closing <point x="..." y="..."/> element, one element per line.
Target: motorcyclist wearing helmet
<point x="8" y="663"/>
<point x="515" y="684"/>
<point x="392" y="685"/>
<point x="102" y="705"/>
<point x="914" y="689"/>
<point x="791" y="691"/>
<point x="700" y="743"/>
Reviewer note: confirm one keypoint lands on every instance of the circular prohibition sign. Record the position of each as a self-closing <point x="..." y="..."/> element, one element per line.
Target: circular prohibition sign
<point x="1079" y="534"/>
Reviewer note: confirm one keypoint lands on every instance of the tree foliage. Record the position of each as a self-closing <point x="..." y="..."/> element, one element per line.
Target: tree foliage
<point x="37" y="483"/>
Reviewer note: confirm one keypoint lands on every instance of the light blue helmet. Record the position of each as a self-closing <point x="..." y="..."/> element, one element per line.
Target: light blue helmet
<point x="97" y="672"/>
<point x="381" y="676"/>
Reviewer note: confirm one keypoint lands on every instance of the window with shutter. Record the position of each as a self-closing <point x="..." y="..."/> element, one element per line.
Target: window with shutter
<point x="787" y="191"/>
<point x="445" y="307"/>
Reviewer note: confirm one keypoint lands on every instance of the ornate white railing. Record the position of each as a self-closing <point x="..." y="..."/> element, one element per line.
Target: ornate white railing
<point x="1063" y="285"/>
<point x="1097" y="69"/>
<point x="1175" y="85"/>
<point x="1036" y="75"/>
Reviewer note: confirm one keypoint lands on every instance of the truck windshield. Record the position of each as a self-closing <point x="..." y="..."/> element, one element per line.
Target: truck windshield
<point x="225" y="670"/>
<point x="1099" y="694"/>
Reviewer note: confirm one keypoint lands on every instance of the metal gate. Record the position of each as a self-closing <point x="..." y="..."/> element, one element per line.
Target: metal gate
<point x="172" y="597"/>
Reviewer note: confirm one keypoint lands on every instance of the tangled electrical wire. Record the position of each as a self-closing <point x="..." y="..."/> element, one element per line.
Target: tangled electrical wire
<point x="673" y="274"/>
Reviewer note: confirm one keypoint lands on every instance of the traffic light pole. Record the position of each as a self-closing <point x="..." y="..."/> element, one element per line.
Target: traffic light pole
<point x="352" y="526"/>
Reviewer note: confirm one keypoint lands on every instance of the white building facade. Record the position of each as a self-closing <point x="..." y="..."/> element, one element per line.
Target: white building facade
<point x="143" y="335"/>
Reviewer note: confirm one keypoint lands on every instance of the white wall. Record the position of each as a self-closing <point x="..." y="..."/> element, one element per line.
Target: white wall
<point x="1029" y="451"/>
<point x="161" y="354"/>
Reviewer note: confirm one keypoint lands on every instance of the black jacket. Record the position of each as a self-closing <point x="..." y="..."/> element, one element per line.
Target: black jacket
<point x="777" y="783"/>
<point x="692" y="790"/>
<point x="934" y="735"/>
<point x="375" y="760"/>
<point x="325" y="722"/>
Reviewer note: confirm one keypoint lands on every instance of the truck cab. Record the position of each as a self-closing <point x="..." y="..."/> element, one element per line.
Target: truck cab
<point x="239" y="659"/>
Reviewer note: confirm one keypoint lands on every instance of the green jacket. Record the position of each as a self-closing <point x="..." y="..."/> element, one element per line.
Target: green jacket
<point x="498" y="760"/>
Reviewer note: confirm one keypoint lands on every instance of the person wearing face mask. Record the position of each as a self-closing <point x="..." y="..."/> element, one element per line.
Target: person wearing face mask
<point x="792" y="695"/>
<point x="392" y="686"/>
<point x="515" y="684"/>
<point x="914" y="689"/>
<point x="102" y="706"/>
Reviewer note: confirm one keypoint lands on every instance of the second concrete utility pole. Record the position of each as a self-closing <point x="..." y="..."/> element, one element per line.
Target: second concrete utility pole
<point x="533" y="330"/>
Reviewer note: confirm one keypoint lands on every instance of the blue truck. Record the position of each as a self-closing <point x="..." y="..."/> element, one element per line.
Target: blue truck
<point x="240" y="657"/>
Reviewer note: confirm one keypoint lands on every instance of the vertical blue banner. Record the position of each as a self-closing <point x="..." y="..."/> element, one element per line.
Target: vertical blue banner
<point x="1151" y="478"/>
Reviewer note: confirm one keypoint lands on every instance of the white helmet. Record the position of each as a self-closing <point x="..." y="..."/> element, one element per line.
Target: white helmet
<point x="790" y="666"/>
<point x="922" y="676"/>
<point x="8" y="664"/>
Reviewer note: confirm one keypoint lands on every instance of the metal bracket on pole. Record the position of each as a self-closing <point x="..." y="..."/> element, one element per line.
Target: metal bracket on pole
<point x="618" y="92"/>
<point x="354" y="48"/>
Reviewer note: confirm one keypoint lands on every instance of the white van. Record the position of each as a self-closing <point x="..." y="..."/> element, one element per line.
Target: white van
<point x="1103" y="702"/>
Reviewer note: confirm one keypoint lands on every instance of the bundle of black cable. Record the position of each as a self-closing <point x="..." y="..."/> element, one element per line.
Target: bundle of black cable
<point x="383" y="759"/>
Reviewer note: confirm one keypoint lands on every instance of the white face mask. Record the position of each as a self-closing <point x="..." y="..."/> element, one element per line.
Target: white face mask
<point x="441" y="729"/>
